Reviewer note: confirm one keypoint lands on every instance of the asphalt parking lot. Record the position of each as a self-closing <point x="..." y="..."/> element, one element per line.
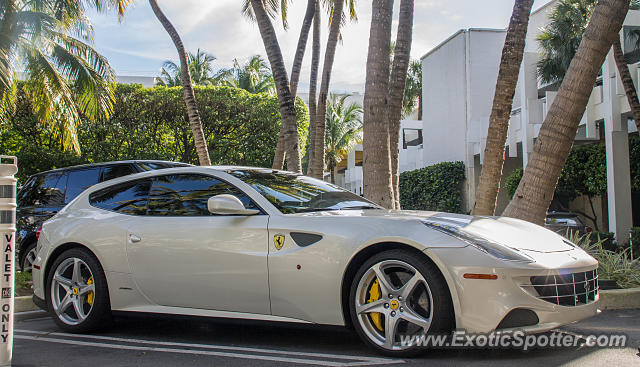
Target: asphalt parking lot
<point x="155" y="341"/>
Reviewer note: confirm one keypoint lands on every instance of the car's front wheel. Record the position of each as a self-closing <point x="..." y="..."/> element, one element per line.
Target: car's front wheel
<point x="397" y="297"/>
<point x="77" y="292"/>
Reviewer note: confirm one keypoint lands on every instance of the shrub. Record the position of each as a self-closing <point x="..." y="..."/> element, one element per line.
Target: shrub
<point x="152" y="123"/>
<point x="436" y="187"/>
<point x="614" y="265"/>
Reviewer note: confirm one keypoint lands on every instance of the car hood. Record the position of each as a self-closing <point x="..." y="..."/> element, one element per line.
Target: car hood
<point x="510" y="232"/>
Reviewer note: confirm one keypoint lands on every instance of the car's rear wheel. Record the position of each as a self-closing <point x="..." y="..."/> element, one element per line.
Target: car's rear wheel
<point x="396" y="297"/>
<point x="77" y="292"/>
<point x="29" y="257"/>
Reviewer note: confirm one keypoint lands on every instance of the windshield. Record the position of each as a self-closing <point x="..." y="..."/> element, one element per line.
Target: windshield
<point x="292" y="193"/>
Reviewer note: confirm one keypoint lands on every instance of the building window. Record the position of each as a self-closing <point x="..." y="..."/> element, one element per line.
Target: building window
<point x="411" y="138"/>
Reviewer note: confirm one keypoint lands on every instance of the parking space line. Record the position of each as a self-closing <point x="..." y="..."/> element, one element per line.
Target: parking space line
<point x="222" y="350"/>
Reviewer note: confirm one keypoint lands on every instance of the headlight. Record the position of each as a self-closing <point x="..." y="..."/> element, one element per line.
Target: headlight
<point x="494" y="249"/>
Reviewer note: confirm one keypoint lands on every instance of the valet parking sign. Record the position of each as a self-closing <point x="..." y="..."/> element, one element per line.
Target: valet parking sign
<point x="8" y="168"/>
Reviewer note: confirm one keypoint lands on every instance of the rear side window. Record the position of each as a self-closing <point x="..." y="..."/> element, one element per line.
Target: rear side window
<point x="43" y="190"/>
<point x="125" y="198"/>
<point x="80" y="180"/>
<point x="188" y="194"/>
<point x="111" y="172"/>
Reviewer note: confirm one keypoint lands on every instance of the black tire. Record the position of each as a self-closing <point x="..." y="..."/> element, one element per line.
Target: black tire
<point x="24" y="252"/>
<point x="443" y="319"/>
<point x="99" y="315"/>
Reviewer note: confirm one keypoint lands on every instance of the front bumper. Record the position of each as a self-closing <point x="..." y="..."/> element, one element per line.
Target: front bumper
<point x="482" y="304"/>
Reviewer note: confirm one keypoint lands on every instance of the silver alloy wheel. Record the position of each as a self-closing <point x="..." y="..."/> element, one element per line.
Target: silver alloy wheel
<point x="71" y="289"/>
<point x="406" y="304"/>
<point x="29" y="258"/>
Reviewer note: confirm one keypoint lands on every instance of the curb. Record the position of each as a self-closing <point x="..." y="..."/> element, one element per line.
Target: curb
<point x="619" y="299"/>
<point x="24" y="303"/>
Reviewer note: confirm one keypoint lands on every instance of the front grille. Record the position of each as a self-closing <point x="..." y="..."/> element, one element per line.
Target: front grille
<point x="572" y="289"/>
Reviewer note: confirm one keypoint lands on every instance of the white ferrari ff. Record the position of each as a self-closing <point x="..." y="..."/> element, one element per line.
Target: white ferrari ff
<point x="256" y="243"/>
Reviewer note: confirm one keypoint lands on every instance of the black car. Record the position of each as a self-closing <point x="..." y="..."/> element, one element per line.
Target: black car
<point x="44" y="194"/>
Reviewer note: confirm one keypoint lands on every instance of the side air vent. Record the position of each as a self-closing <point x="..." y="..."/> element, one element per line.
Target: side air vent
<point x="305" y="239"/>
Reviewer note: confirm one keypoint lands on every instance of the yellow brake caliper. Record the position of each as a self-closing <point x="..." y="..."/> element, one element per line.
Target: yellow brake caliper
<point x="374" y="295"/>
<point x="90" y="294"/>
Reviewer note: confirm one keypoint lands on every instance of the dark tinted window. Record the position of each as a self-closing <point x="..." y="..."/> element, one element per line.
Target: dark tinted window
<point x="80" y="180"/>
<point x="188" y="194"/>
<point x="292" y="193"/>
<point x="126" y="198"/>
<point x="43" y="190"/>
<point x="111" y="172"/>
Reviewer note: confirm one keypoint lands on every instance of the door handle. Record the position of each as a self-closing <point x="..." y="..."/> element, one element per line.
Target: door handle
<point x="134" y="239"/>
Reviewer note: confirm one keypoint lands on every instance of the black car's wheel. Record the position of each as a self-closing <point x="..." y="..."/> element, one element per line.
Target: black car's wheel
<point x="396" y="296"/>
<point x="77" y="292"/>
<point x="28" y="256"/>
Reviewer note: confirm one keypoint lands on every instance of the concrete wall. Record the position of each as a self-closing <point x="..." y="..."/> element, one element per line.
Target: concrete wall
<point x="444" y="101"/>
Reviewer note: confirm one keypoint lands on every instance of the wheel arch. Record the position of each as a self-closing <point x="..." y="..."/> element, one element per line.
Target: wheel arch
<point x="56" y="252"/>
<point x="360" y="257"/>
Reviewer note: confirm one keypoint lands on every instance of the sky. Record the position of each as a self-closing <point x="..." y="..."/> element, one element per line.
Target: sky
<point x="138" y="45"/>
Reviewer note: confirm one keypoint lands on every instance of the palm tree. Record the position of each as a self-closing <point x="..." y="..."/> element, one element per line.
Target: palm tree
<point x="64" y="76"/>
<point x="376" y="153"/>
<point x="254" y="76"/>
<point x="200" y="67"/>
<point x="286" y="100"/>
<point x="560" y="39"/>
<point x="273" y="8"/>
<point x="413" y="90"/>
<point x="344" y="129"/>
<point x="187" y="87"/>
<point x="535" y="191"/>
<point x="512" y="53"/>
<point x="313" y="78"/>
<point x="397" y="85"/>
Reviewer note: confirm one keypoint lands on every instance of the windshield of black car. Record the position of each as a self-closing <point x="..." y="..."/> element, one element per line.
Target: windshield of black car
<point x="292" y="193"/>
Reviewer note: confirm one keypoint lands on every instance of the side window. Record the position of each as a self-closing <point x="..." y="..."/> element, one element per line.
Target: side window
<point x="44" y="190"/>
<point x="80" y="180"/>
<point x="126" y="198"/>
<point x="188" y="194"/>
<point x="111" y="172"/>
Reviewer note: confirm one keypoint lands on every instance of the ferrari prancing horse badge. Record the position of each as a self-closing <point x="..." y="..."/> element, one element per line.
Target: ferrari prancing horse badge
<point x="278" y="241"/>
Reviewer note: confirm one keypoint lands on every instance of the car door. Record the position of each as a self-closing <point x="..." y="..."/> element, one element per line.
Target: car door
<point x="183" y="256"/>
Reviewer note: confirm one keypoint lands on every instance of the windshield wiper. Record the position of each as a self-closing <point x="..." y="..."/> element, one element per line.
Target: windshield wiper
<point x="307" y="210"/>
<point x="357" y="207"/>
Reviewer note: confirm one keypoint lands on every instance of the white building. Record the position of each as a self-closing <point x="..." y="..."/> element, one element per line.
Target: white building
<point x="459" y="77"/>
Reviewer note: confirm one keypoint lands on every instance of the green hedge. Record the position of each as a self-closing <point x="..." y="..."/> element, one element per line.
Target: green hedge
<point x="152" y="123"/>
<point x="436" y="187"/>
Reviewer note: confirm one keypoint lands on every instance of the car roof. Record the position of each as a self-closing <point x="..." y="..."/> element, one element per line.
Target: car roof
<point x="100" y="164"/>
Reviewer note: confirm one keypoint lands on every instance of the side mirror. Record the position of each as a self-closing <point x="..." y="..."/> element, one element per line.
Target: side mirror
<point x="226" y="204"/>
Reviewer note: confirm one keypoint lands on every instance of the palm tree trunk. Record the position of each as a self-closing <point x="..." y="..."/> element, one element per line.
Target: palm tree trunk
<point x="302" y="46"/>
<point x="332" y="169"/>
<point x="512" y="53"/>
<point x="329" y="55"/>
<point x="285" y="99"/>
<point x="400" y="66"/>
<point x="313" y="83"/>
<point x="420" y="106"/>
<point x="535" y="191"/>
<point x="376" y="154"/>
<point x="627" y="81"/>
<point x="189" y="97"/>
<point x="278" y="161"/>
